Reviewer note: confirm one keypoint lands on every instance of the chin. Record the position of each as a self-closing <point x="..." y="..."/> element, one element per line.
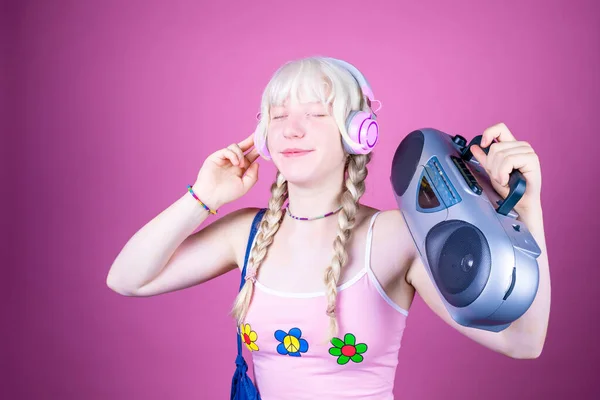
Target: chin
<point x="310" y="168"/>
<point x="307" y="174"/>
<point x="300" y="176"/>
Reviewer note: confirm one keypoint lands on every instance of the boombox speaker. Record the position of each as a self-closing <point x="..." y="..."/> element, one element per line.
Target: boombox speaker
<point x="481" y="259"/>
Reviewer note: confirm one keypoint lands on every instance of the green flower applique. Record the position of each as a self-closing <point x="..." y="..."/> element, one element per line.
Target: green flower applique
<point x="347" y="349"/>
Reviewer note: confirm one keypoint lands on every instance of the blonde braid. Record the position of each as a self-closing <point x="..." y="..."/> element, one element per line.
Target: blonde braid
<point x="268" y="227"/>
<point x="355" y="187"/>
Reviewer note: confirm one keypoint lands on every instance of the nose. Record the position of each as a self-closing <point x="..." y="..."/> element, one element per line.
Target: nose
<point x="294" y="128"/>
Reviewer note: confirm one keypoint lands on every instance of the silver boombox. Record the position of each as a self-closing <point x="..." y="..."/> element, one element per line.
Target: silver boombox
<point x="481" y="259"/>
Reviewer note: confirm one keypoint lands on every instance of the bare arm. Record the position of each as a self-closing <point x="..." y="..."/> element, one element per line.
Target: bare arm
<point x="417" y="276"/>
<point x="394" y="236"/>
<point x="164" y="255"/>
<point x="522" y="340"/>
<point x="148" y="251"/>
<point x="528" y="333"/>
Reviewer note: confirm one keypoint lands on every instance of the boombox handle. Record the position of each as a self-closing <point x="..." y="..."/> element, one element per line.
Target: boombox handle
<point x="516" y="182"/>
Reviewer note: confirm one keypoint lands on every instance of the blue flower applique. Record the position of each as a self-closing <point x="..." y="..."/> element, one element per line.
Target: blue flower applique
<point x="291" y="342"/>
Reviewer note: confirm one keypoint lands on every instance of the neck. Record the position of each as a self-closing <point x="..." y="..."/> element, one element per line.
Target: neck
<point x="316" y="199"/>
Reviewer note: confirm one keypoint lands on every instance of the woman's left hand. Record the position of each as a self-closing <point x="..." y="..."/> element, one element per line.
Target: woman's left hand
<point x="503" y="157"/>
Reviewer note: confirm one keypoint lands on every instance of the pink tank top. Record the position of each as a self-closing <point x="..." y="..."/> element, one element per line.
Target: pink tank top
<point x="292" y="358"/>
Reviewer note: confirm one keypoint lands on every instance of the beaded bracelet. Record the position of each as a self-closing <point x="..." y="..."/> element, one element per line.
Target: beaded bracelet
<point x="189" y="188"/>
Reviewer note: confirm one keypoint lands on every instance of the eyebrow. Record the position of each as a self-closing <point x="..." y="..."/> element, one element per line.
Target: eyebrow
<point x="311" y="103"/>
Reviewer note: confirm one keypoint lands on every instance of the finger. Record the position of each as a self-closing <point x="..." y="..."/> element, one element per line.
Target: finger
<point x="239" y="153"/>
<point x="252" y="155"/>
<point x="225" y="156"/>
<point x="500" y="149"/>
<point x="497" y="159"/>
<point x="246" y="143"/>
<point x="497" y="147"/>
<point x="521" y="161"/>
<point x="250" y="177"/>
<point x="479" y="155"/>
<point x="499" y="131"/>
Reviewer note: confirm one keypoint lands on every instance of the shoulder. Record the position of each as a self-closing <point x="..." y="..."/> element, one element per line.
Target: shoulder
<point x="238" y="219"/>
<point x="390" y="226"/>
<point x="393" y="249"/>
<point x="237" y="225"/>
<point x="390" y="231"/>
<point x="387" y="224"/>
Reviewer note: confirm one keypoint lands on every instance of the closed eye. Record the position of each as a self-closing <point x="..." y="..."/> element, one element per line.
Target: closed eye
<point x="275" y="117"/>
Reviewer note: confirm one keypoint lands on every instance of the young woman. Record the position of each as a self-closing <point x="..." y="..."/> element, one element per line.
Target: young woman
<point x="329" y="280"/>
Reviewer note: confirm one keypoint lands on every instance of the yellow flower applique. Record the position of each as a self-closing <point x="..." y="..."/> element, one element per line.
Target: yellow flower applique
<point x="249" y="337"/>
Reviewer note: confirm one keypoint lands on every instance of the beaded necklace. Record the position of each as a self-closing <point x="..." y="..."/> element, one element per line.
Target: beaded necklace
<point x="312" y="218"/>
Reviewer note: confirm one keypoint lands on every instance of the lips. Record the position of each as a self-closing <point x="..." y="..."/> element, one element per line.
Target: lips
<point x="295" y="152"/>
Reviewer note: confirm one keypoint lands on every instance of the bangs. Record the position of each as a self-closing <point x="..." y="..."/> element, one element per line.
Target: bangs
<point x="302" y="82"/>
<point x="310" y="80"/>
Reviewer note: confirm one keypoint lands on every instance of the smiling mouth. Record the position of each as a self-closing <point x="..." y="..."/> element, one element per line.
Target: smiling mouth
<point x="295" y="153"/>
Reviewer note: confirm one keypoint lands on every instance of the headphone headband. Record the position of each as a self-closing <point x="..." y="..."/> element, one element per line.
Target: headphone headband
<point x="362" y="128"/>
<point x="360" y="78"/>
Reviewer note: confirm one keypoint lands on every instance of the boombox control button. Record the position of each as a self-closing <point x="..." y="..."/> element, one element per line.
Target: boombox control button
<point x="459" y="140"/>
<point x="467" y="175"/>
<point x="476" y="188"/>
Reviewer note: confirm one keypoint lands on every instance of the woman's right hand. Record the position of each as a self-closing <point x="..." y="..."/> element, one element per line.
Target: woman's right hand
<point x="227" y="174"/>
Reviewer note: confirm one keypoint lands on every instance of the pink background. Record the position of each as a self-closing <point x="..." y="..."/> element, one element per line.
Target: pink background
<point x="113" y="106"/>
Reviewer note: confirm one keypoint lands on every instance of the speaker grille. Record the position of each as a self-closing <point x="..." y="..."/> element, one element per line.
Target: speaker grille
<point x="405" y="161"/>
<point x="459" y="256"/>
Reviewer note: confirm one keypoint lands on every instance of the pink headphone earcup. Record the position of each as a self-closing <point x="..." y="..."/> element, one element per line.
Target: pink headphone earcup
<point x="363" y="132"/>
<point x="260" y="143"/>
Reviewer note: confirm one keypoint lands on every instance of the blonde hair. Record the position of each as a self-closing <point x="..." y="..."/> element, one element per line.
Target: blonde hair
<point x="311" y="79"/>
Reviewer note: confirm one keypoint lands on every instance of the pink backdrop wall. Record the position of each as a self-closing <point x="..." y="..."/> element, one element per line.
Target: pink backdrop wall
<point x="115" y="105"/>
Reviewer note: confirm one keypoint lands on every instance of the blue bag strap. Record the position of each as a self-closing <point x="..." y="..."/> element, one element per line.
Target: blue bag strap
<point x="253" y="230"/>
